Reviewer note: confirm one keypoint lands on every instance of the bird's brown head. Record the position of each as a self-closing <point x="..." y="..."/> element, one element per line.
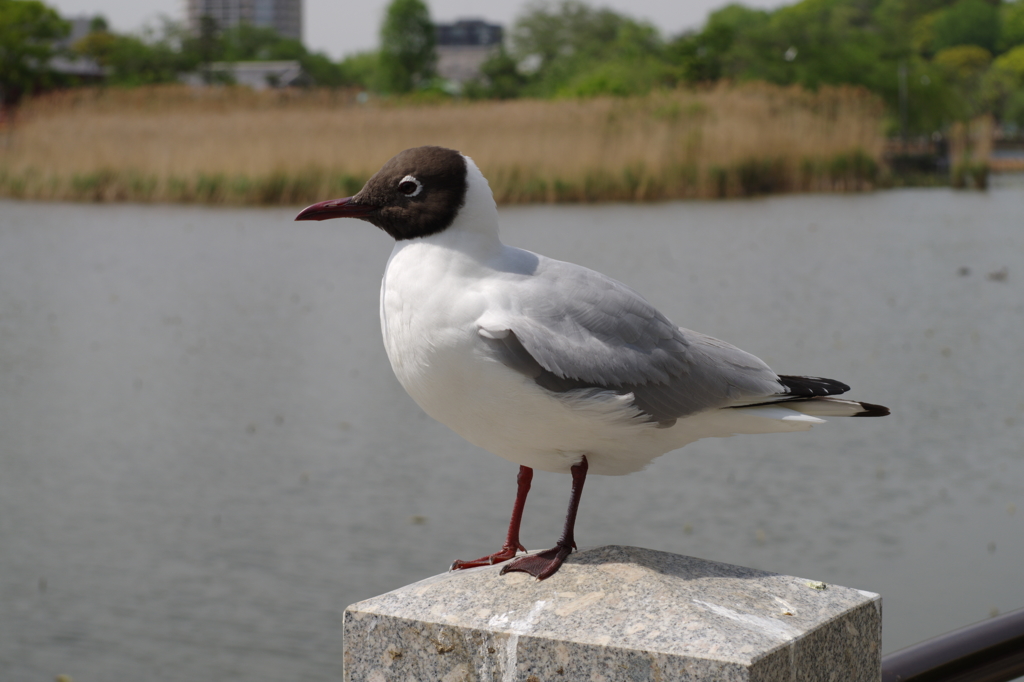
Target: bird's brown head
<point x="415" y="194"/>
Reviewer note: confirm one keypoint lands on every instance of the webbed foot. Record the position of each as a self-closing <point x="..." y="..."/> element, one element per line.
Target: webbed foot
<point x="542" y="564"/>
<point x="507" y="552"/>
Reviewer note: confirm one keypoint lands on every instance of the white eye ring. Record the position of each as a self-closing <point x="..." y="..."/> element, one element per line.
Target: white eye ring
<point x="414" y="181"/>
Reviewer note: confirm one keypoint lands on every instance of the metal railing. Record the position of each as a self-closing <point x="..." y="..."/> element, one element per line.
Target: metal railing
<point x="989" y="651"/>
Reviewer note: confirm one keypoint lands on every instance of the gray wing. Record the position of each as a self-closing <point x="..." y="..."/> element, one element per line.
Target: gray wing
<point x="575" y="328"/>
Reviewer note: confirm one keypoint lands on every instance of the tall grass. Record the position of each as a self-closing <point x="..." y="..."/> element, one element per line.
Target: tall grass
<point x="236" y="146"/>
<point x="970" y="148"/>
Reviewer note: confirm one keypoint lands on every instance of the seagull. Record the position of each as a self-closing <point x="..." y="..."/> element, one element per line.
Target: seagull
<point x="548" y="364"/>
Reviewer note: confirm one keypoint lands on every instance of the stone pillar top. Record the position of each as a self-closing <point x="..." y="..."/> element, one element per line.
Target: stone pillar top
<point x="653" y="614"/>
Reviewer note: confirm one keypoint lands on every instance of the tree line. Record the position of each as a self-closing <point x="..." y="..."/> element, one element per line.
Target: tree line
<point x="932" y="61"/>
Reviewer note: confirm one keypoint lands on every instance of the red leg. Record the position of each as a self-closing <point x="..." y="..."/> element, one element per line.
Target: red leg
<point x="545" y="564"/>
<point x="512" y="544"/>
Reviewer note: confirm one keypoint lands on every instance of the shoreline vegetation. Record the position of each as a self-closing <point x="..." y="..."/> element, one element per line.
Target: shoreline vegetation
<point x="234" y="146"/>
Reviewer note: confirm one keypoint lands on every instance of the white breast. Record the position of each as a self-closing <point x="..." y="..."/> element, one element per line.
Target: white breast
<point x="431" y="302"/>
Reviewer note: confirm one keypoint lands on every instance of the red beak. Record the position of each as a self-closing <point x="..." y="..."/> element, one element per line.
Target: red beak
<point x="335" y="208"/>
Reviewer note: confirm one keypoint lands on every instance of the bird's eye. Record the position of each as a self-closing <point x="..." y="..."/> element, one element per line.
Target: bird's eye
<point x="410" y="186"/>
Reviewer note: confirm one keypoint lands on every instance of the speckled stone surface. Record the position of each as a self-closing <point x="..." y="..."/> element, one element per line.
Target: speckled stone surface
<point x="616" y="613"/>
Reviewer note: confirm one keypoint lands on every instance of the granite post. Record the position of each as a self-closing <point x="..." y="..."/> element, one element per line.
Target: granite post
<point x="616" y="613"/>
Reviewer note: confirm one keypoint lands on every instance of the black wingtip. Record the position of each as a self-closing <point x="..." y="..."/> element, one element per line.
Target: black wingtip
<point x="871" y="410"/>
<point x="809" y="387"/>
<point x="816" y="387"/>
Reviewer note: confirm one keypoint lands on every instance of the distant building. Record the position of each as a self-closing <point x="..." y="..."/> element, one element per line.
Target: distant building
<point x="256" y="75"/>
<point x="80" y="26"/>
<point x="81" y="68"/>
<point x="463" y="46"/>
<point x="284" y="16"/>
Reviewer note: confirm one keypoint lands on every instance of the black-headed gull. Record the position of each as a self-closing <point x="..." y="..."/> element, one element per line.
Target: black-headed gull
<point x="545" y="363"/>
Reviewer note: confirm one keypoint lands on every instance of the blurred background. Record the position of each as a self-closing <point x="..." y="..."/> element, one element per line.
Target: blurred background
<point x="204" y="455"/>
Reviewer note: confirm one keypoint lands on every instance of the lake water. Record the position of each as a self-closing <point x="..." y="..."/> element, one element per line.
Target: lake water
<point x="204" y="456"/>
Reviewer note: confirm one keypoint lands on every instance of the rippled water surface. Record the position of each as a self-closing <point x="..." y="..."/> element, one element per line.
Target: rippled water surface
<point x="204" y="456"/>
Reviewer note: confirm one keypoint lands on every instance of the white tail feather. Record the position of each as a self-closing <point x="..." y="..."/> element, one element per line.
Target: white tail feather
<point x="827" y="407"/>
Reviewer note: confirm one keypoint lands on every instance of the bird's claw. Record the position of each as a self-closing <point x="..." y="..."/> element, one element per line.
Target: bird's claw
<point x="506" y="553"/>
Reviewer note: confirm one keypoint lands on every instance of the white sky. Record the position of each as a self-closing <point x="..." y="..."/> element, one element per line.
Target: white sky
<point x="343" y="27"/>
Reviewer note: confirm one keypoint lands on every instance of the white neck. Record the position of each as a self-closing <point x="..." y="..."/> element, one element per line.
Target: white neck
<point x="475" y="229"/>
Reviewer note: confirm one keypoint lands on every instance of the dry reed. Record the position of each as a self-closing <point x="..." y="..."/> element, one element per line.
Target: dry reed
<point x="970" y="151"/>
<point x="232" y="145"/>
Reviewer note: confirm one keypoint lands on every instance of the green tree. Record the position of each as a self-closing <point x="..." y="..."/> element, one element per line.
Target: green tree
<point x="811" y="43"/>
<point x="964" y="62"/>
<point x="98" y="43"/>
<point x="550" y="34"/>
<point x="570" y="48"/>
<point x="155" y="56"/>
<point x="28" y="29"/>
<point x="246" y="42"/>
<point x="968" y="22"/>
<point x="207" y="47"/>
<point x="1012" y="28"/>
<point x="362" y="69"/>
<point x="321" y="71"/>
<point x="135" y="61"/>
<point x="815" y="42"/>
<point x="500" y="78"/>
<point x="964" y="67"/>
<point x="407" y="54"/>
<point x="702" y="56"/>
<point x="922" y="34"/>
<point x="1012" y="63"/>
<point x="1002" y="86"/>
